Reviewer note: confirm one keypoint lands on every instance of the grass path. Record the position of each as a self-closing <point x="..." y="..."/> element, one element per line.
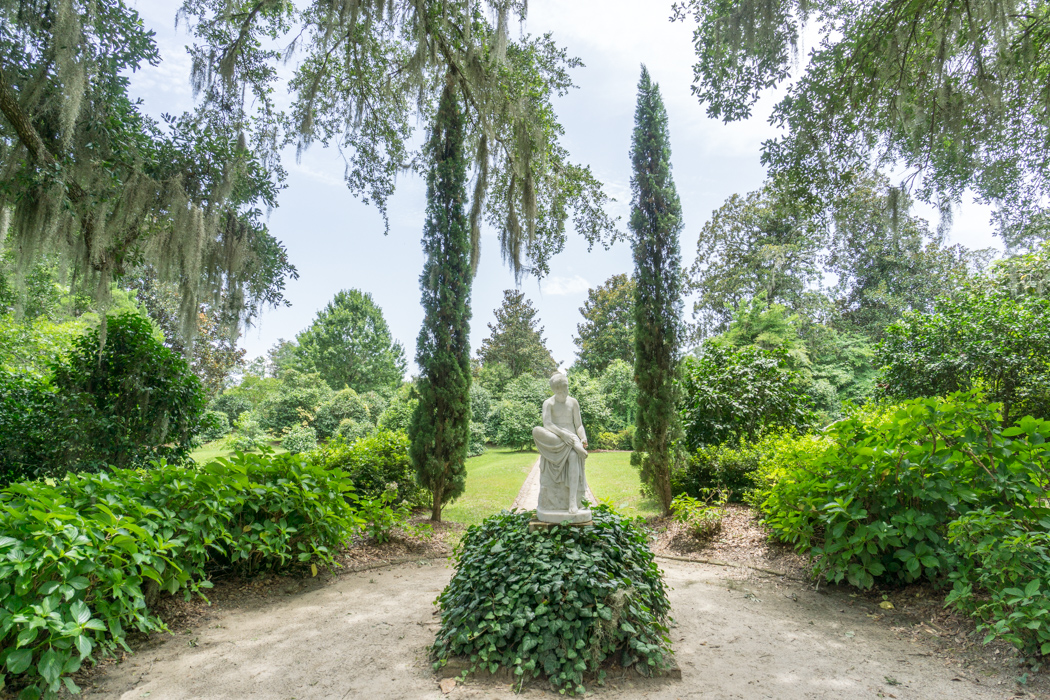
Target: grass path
<point x="210" y="450"/>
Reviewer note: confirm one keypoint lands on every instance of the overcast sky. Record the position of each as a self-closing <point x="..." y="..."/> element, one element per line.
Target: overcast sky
<point x="338" y="243"/>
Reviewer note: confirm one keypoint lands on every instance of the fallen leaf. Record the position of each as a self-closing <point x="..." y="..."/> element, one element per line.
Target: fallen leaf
<point x="447" y="685"/>
<point x="886" y="605"/>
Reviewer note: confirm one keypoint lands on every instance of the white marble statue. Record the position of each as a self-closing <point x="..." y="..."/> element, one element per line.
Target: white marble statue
<point x="562" y="444"/>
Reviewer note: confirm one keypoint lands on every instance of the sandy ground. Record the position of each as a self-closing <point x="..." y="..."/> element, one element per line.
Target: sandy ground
<point x="737" y="634"/>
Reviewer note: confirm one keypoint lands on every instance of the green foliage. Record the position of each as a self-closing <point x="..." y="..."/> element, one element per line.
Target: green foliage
<point x="232" y="403"/>
<point x="350" y="430"/>
<point x="515" y="342"/>
<point x="128" y="401"/>
<point x="381" y="517"/>
<point x="727" y="468"/>
<point x="703" y="514"/>
<point x="607" y="332"/>
<point x="295" y="400"/>
<point x="478" y="438"/>
<point x="875" y="500"/>
<point x="888" y="83"/>
<point x="656" y="222"/>
<point x="557" y="603"/>
<point x="623" y="440"/>
<point x="32" y="439"/>
<point x="84" y="558"/>
<point x="341" y="406"/>
<point x="753" y="246"/>
<point x="214" y="426"/>
<point x="731" y="394"/>
<point x="398" y="413"/>
<point x="440" y="426"/>
<point x="349" y="345"/>
<point x="300" y="438"/>
<point x="247" y="433"/>
<point x="620" y="392"/>
<point x="375" y="464"/>
<point x="519" y="411"/>
<point x="977" y="338"/>
<point x="597" y="418"/>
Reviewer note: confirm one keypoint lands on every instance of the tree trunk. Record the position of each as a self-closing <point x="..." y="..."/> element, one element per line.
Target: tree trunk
<point x="435" y="509"/>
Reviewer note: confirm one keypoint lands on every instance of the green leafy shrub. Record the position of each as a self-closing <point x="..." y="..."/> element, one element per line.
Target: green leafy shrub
<point x="476" y="446"/>
<point x="558" y="603"/>
<point x="33" y="440"/>
<point x="232" y="403"/>
<point x="373" y="463"/>
<point x="342" y="406"/>
<point x="622" y="440"/>
<point x="398" y="413"/>
<point x="81" y="559"/>
<point x="1002" y="575"/>
<point x="350" y="430"/>
<point x="247" y="433"/>
<point x="877" y="500"/>
<point x="295" y="400"/>
<point x="519" y="411"/>
<point x="702" y="515"/>
<point x="301" y="438"/>
<point x="214" y="426"/>
<point x="731" y="394"/>
<point x="730" y="468"/>
<point x="383" y="515"/>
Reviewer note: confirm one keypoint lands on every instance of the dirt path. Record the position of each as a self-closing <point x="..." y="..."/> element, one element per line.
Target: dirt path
<point x="365" y="635"/>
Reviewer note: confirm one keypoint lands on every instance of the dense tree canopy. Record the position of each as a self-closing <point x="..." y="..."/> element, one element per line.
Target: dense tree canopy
<point x="607" y="331"/>
<point x="952" y="92"/>
<point x="366" y="70"/>
<point x="349" y="344"/>
<point x="85" y="176"/>
<point x="516" y="341"/>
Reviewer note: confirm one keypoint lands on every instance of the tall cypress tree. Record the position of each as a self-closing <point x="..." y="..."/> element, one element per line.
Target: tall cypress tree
<point x="440" y="427"/>
<point x="656" y="221"/>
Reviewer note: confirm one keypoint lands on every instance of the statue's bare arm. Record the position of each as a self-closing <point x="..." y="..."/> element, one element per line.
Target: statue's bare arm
<point x="577" y="420"/>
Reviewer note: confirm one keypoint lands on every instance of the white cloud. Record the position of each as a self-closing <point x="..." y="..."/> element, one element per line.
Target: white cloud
<point x="564" y="286"/>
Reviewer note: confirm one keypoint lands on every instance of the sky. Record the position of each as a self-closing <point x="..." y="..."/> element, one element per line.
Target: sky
<point x="336" y="242"/>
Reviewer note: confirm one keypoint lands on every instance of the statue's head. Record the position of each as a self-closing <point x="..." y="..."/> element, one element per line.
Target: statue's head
<point x="559" y="382"/>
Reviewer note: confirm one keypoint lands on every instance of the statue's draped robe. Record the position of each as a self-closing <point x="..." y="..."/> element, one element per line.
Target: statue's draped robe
<point x="556" y="457"/>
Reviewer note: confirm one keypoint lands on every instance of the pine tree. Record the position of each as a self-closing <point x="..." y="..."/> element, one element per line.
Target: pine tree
<point x="656" y="221"/>
<point x="516" y="341"/>
<point x="440" y="427"/>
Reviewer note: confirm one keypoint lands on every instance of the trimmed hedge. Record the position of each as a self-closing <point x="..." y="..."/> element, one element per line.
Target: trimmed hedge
<point x="81" y="559"/>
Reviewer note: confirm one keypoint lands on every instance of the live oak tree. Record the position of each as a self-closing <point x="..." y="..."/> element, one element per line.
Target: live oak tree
<point x="349" y="345"/>
<point x="656" y="222"/>
<point x="367" y="70"/>
<point x="440" y="427"/>
<point x="951" y="93"/>
<point x="516" y="341"/>
<point x="86" y="177"/>
<point x="607" y="331"/>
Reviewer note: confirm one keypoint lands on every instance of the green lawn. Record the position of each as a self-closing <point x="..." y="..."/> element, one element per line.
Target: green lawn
<point x="209" y="451"/>
<point x="613" y="480"/>
<point x="493" y="482"/>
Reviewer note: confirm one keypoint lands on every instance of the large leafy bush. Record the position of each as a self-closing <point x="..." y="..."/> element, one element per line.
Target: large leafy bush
<point x="373" y="463"/>
<point x="343" y="405"/>
<point x="81" y="559"/>
<point x="557" y="603"/>
<point x="519" y="411"/>
<point x="731" y="394"/>
<point x="980" y="338"/>
<point x="296" y="399"/>
<point x="731" y="468"/>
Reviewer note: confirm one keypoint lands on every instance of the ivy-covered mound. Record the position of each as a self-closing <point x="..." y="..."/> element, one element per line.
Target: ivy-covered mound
<point x="558" y="603"/>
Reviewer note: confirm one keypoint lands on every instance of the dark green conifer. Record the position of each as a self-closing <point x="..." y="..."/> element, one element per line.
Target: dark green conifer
<point x="656" y="221"/>
<point x="440" y="427"/>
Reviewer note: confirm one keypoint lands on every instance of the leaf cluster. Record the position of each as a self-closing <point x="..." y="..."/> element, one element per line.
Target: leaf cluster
<point x="82" y="560"/>
<point x="560" y="603"/>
